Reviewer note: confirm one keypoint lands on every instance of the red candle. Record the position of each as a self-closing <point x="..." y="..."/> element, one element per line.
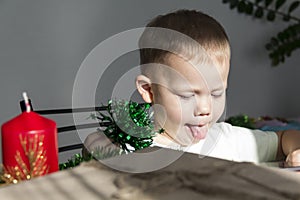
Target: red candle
<point x="29" y="145"/>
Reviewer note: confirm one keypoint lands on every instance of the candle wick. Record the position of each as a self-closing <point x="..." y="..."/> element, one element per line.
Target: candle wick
<point x="26" y="102"/>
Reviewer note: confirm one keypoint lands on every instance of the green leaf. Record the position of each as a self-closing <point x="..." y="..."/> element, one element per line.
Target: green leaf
<point x="259" y="13"/>
<point x="249" y="8"/>
<point x="225" y="1"/>
<point x="281" y="52"/>
<point x="258" y="1"/>
<point x="271" y="55"/>
<point x="282" y="36"/>
<point x="297" y="28"/>
<point x="275" y="61"/>
<point x="293" y="6"/>
<point x="241" y="6"/>
<point x="291" y="31"/>
<point x="274" y="41"/>
<point x="286" y="35"/>
<point x="288" y="49"/>
<point x="269" y="46"/>
<point x="279" y="3"/>
<point x="282" y="59"/>
<point x="268" y="2"/>
<point x="233" y="3"/>
<point x="271" y="15"/>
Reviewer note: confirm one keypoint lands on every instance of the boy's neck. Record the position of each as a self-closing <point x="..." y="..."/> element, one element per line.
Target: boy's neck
<point x="165" y="140"/>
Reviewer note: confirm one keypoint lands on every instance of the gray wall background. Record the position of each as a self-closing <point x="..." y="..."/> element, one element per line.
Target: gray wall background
<point x="42" y="45"/>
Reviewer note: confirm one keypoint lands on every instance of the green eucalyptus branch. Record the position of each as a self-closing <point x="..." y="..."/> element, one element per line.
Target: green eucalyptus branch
<point x="285" y="42"/>
<point x="258" y="10"/>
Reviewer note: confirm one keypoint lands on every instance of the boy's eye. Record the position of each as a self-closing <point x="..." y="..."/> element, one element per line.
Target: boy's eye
<point x="217" y="94"/>
<point x="186" y="96"/>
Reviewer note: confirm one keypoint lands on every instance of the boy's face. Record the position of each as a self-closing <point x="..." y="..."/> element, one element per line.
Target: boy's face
<point x="187" y="99"/>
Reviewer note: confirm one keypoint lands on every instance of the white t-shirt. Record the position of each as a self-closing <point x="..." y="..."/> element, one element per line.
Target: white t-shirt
<point x="232" y="143"/>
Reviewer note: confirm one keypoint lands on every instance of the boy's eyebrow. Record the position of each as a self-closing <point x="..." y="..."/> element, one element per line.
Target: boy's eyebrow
<point x="219" y="88"/>
<point x="185" y="88"/>
<point x="182" y="89"/>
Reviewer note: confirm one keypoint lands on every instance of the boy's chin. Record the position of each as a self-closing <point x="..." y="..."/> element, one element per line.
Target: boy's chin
<point x="196" y="140"/>
<point x="190" y="142"/>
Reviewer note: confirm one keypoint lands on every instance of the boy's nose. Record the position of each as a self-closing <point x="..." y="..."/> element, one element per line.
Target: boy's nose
<point x="203" y="107"/>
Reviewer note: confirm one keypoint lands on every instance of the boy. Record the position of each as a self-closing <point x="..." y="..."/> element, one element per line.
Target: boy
<point x="185" y="59"/>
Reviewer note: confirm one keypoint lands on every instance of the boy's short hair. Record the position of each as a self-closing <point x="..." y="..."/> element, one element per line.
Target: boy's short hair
<point x="209" y="35"/>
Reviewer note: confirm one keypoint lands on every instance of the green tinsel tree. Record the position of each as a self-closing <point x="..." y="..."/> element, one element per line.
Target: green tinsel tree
<point x="127" y="124"/>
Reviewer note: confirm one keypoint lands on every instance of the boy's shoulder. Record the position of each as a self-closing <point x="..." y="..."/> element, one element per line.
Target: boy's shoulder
<point x="230" y="131"/>
<point x="222" y="127"/>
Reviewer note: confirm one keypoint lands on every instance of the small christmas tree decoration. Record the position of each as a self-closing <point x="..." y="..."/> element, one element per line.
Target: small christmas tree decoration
<point x="129" y="124"/>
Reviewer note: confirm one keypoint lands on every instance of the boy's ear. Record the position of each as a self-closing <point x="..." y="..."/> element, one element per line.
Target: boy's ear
<point x="143" y="85"/>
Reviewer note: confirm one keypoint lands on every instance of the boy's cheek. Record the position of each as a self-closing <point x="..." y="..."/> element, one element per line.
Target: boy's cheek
<point x="160" y="114"/>
<point x="218" y="109"/>
<point x="175" y="116"/>
<point x="171" y="120"/>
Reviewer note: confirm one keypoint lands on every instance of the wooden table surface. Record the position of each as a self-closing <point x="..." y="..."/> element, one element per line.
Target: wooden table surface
<point x="186" y="177"/>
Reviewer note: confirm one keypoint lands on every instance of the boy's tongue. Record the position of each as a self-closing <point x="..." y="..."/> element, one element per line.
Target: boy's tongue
<point x="199" y="132"/>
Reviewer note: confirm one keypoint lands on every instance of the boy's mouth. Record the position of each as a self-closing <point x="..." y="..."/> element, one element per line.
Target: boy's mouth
<point x="199" y="132"/>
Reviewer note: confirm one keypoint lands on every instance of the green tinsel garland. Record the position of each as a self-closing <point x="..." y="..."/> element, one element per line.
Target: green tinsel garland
<point x="128" y="125"/>
<point x="73" y="162"/>
<point x="99" y="154"/>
